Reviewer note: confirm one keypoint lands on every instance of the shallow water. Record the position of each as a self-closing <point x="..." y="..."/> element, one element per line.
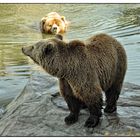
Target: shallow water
<point x="19" y="26"/>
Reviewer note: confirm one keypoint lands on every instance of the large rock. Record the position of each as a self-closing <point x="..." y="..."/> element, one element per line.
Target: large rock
<point x="38" y="111"/>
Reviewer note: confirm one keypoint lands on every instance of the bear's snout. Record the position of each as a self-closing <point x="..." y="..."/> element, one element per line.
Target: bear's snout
<point x="54" y="30"/>
<point x="27" y="50"/>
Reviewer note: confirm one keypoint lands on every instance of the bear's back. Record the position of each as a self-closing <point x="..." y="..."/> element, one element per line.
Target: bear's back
<point x="100" y="44"/>
<point x="104" y="54"/>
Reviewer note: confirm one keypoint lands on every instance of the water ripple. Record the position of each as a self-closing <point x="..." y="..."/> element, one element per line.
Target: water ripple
<point x="20" y="26"/>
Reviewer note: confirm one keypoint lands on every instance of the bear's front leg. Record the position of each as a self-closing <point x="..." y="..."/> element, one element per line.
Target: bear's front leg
<point x="95" y="114"/>
<point x="94" y="103"/>
<point x="74" y="108"/>
<point x="72" y="102"/>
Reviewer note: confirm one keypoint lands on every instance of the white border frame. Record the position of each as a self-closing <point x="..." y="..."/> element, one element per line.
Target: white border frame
<point x="69" y="1"/>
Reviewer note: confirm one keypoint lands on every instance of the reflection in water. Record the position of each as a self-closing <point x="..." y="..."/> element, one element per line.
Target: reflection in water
<point x="20" y="26"/>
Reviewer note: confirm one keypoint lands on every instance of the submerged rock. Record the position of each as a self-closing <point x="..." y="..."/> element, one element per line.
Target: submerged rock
<point x="38" y="111"/>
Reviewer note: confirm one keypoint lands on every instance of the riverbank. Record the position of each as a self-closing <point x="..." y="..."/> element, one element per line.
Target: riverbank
<point x="38" y="112"/>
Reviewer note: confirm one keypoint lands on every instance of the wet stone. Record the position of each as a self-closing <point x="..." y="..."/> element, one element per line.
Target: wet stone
<point x="40" y="111"/>
<point x="2" y="111"/>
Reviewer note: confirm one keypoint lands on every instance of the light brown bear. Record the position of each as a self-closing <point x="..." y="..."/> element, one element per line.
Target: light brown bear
<point x="53" y="23"/>
<point x="85" y="69"/>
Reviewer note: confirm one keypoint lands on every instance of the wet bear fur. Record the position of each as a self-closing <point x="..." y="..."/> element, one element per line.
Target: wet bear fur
<point x="85" y="70"/>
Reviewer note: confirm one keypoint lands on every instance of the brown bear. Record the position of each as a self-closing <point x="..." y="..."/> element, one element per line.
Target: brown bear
<point x="85" y="69"/>
<point x="53" y="23"/>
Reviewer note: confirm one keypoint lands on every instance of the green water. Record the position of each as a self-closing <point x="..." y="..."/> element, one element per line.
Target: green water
<point x="19" y="26"/>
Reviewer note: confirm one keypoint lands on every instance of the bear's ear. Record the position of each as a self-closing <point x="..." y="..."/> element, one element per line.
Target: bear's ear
<point x="75" y="44"/>
<point x="48" y="48"/>
<point x="59" y="36"/>
<point x="63" y="18"/>
<point x="42" y="22"/>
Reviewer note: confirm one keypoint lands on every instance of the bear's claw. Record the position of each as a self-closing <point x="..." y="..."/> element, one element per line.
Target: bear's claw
<point x="71" y="118"/>
<point x="92" y="121"/>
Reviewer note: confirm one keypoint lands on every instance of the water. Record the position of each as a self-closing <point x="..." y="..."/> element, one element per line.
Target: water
<point x="19" y="26"/>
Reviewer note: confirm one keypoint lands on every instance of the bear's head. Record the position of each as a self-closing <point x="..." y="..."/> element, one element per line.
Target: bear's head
<point x="48" y="54"/>
<point x="53" y="23"/>
<point x="55" y="55"/>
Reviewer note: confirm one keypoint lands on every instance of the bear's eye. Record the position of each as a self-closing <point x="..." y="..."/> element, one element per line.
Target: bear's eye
<point x="50" y="25"/>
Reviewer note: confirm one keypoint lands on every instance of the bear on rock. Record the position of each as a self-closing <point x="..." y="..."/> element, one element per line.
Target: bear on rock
<point x="85" y="70"/>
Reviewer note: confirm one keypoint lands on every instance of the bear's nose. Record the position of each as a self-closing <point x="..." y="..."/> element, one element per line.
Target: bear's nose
<point x="54" y="28"/>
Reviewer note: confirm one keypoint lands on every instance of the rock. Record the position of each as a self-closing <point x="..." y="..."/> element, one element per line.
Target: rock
<point x="2" y="111"/>
<point x="38" y="111"/>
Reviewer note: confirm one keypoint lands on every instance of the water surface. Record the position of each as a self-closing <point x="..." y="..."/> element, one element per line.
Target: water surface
<point x="19" y="26"/>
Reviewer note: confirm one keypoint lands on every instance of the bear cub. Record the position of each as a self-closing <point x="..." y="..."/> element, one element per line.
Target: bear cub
<point x="85" y="70"/>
